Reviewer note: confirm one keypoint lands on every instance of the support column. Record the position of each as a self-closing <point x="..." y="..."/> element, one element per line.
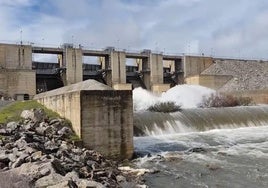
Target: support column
<point x="145" y="69"/>
<point x="152" y="69"/>
<point x="157" y="77"/>
<point x="115" y="67"/>
<point x="178" y="73"/>
<point x="72" y="60"/>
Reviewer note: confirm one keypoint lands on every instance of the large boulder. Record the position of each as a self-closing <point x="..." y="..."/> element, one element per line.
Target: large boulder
<point x="35" y="115"/>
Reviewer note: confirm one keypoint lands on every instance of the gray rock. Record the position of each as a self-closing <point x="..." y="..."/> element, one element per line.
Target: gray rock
<point x="57" y="123"/>
<point x="43" y="124"/>
<point x="3" y="131"/>
<point x="64" y="146"/>
<point x="50" y="131"/>
<point x="45" y="171"/>
<point x="84" y="172"/>
<point x="19" y="161"/>
<point x="4" y="158"/>
<point x="35" y="115"/>
<point x="12" y="158"/>
<point x="65" y="131"/>
<point x="120" y="178"/>
<point x="10" y="179"/>
<point x="21" y="143"/>
<point x="58" y="167"/>
<point x="50" y="180"/>
<point x="36" y="155"/>
<point x="87" y="183"/>
<point x="12" y="126"/>
<point x="65" y="184"/>
<point x="75" y="157"/>
<point x="28" y="126"/>
<point x="9" y="145"/>
<point x="40" y="130"/>
<point x="72" y="175"/>
<point x="51" y="146"/>
<point x="30" y="150"/>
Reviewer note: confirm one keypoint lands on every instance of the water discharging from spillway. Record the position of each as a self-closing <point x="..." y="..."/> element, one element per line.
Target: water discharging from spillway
<point x="196" y="148"/>
<point x="198" y="119"/>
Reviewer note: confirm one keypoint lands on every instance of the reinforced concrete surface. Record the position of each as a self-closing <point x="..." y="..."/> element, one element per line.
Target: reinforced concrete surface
<point x="101" y="116"/>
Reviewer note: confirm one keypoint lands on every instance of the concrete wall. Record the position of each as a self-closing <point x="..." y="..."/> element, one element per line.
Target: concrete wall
<point x="102" y="118"/>
<point x="16" y="74"/>
<point x="15" y="56"/>
<point x="210" y="81"/>
<point x="194" y="65"/>
<point x="258" y="96"/>
<point x="67" y="105"/>
<point x="107" y="122"/>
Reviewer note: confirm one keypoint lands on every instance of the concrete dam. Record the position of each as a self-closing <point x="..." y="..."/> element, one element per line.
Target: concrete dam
<point x="21" y="77"/>
<point x="101" y="107"/>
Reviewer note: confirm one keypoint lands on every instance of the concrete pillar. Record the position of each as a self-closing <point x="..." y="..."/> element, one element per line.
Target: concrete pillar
<point x="115" y="66"/>
<point x="145" y="69"/>
<point x="194" y="65"/>
<point x="72" y="61"/>
<point x="16" y="74"/>
<point x="152" y="68"/>
<point x="178" y="71"/>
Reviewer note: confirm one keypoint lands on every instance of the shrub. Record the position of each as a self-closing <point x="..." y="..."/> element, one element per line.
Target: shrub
<point x="165" y="107"/>
<point x="222" y="100"/>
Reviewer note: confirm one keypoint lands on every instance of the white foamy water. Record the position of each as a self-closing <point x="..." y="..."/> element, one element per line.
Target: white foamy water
<point x="187" y="96"/>
<point x="215" y="158"/>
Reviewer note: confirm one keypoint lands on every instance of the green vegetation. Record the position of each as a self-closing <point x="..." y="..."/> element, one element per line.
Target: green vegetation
<point x="74" y="138"/>
<point x="165" y="107"/>
<point x="12" y="112"/>
<point x="222" y="100"/>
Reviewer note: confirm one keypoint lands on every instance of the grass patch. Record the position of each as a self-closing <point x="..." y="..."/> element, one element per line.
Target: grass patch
<point x="74" y="138"/>
<point x="12" y="112"/>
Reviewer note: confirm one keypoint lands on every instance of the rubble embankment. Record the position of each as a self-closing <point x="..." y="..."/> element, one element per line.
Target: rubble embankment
<point x="40" y="152"/>
<point x="247" y="75"/>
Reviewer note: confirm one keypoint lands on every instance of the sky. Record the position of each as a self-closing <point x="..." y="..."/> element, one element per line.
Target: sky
<point x="223" y="28"/>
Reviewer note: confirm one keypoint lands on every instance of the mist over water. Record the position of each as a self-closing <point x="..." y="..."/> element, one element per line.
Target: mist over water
<point x="187" y="96"/>
<point x="201" y="148"/>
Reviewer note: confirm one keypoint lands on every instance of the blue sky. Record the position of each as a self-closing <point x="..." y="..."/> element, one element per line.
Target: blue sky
<point x="219" y="27"/>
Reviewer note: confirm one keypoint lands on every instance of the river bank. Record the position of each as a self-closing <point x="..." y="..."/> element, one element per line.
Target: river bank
<point x="41" y="152"/>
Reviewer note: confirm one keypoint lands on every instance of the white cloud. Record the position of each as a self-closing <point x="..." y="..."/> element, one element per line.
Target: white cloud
<point x="224" y="27"/>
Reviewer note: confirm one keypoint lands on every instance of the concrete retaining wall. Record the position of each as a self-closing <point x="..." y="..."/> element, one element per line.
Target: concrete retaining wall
<point x="17" y="81"/>
<point x="211" y="81"/>
<point x="258" y="96"/>
<point x="102" y="118"/>
<point x="107" y="122"/>
<point x="194" y="65"/>
<point x="16" y="74"/>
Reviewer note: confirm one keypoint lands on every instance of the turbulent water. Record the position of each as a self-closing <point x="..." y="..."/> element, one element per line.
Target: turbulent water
<point x="187" y="96"/>
<point x="225" y="147"/>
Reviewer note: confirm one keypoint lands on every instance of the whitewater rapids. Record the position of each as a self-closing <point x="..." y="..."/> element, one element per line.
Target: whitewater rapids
<point x="200" y="148"/>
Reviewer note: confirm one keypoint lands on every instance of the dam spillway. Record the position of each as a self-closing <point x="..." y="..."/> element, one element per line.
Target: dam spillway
<point x="199" y="119"/>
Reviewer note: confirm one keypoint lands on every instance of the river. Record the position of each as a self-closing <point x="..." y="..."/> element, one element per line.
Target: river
<point x="215" y="148"/>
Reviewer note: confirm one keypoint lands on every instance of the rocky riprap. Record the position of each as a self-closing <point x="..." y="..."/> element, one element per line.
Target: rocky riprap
<point x="38" y="152"/>
<point x="247" y="75"/>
